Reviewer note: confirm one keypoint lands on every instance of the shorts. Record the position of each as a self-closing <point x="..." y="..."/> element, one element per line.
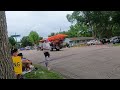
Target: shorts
<point x="47" y="54"/>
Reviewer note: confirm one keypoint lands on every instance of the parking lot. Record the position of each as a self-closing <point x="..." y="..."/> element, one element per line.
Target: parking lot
<point x="90" y="62"/>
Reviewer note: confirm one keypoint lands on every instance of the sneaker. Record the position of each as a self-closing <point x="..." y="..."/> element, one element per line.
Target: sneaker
<point x="29" y="71"/>
<point x="31" y="67"/>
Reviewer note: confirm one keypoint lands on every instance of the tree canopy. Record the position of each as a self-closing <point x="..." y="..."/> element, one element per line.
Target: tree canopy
<point x="25" y="41"/>
<point x="34" y="37"/>
<point x="98" y="24"/>
<point x="12" y="41"/>
<point x="52" y="34"/>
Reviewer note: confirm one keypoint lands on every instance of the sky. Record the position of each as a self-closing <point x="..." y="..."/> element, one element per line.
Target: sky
<point x="44" y="22"/>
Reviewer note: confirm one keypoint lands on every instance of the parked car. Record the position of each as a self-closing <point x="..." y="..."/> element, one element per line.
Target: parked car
<point x="91" y="42"/>
<point x="94" y="42"/>
<point x="97" y="42"/>
<point x="113" y="38"/>
<point x="27" y="48"/>
<point x="117" y="40"/>
<point x="105" y="40"/>
<point x="22" y="49"/>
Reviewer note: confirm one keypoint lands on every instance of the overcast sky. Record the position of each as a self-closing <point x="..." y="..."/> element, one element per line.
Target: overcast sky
<point x="44" y="22"/>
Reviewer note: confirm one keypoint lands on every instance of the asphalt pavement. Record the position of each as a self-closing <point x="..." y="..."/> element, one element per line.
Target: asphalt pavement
<point x="90" y="62"/>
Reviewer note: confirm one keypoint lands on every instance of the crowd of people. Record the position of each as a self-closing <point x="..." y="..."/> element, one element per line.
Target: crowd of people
<point x="22" y="64"/>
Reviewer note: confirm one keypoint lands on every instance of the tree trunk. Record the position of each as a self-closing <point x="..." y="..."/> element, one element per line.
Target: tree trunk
<point x="6" y="65"/>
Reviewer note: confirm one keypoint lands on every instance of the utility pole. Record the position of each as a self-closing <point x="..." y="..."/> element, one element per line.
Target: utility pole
<point x="60" y="29"/>
<point x="15" y="38"/>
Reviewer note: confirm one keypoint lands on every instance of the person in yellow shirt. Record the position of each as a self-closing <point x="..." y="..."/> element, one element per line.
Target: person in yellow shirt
<point x="17" y="61"/>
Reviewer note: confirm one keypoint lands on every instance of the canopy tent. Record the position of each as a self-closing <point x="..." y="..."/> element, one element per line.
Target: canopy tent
<point x="57" y="37"/>
<point x="52" y="38"/>
<point x="60" y="36"/>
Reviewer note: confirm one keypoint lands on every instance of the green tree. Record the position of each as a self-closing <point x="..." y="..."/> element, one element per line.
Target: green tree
<point x="116" y="17"/>
<point x="116" y="22"/>
<point x="40" y="38"/>
<point x="34" y="37"/>
<point x="63" y="32"/>
<point x="12" y="41"/>
<point x="25" y="41"/>
<point x="100" y="23"/>
<point x="52" y="34"/>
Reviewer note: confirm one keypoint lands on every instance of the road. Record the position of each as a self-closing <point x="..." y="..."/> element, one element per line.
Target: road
<point x="91" y="62"/>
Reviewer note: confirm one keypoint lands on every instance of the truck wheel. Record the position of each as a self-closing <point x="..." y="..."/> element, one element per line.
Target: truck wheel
<point x="57" y="49"/>
<point x="52" y="49"/>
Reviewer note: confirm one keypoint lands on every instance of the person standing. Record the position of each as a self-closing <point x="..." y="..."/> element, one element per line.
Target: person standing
<point x="46" y="50"/>
<point x="17" y="62"/>
<point x="42" y="45"/>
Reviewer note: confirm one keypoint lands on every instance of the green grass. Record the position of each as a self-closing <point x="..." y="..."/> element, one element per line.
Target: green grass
<point x="43" y="73"/>
<point x="81" y="45"/>
<point x="116" y="44"/>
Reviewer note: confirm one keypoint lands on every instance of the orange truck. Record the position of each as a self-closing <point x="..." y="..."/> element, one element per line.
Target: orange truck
<point x="56" y="41"/>
<point x="57" y="45"/>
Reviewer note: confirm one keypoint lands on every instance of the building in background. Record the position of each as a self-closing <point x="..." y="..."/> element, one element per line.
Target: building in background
<point x="77" y="40"/>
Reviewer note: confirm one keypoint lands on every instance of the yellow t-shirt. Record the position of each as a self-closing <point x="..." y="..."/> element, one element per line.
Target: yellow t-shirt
<point x="17" y="61"/>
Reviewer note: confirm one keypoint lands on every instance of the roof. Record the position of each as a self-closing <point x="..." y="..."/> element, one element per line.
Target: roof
<point x="80" y="38"/>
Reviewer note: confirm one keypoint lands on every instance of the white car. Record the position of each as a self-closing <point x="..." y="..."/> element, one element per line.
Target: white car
<point x="97" y="42"/>
<point x="94" y="42"/>
<point x="91" y="42"/>
<point x="113" y="38"/>
<point x="27" y="48"/>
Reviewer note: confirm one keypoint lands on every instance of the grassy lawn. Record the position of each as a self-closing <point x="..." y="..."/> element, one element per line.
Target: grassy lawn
<point x="43" y="73"/>
<point x="81" y="45"/>
<point x="116" y="44"/>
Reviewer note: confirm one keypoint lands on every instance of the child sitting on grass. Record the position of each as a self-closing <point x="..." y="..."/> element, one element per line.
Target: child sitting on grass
<point x="26" y="64"/>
